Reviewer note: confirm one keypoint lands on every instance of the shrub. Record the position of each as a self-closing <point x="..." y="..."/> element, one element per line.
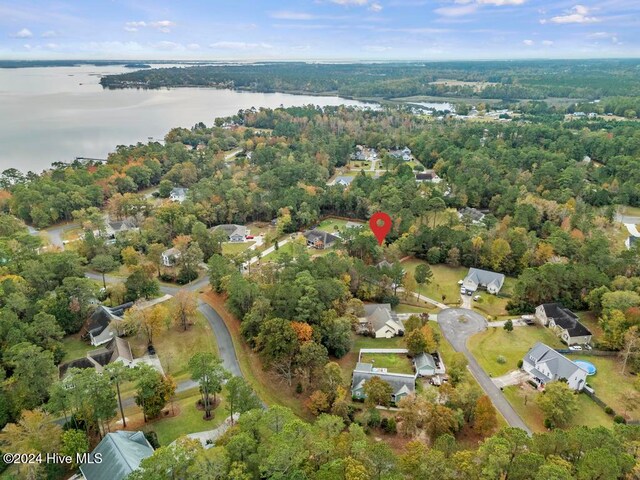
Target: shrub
<point x="152" y="438"/>
<point x="501" y="360"/>
<point x="548" y="423"/>
<point x="608" y="410"/>
<point x="391" y="426"/>
<point x="299" y="388"/>
<point x="520" y="363"/>
<point x="619" y="419"/>
<point x="374" y="418"/>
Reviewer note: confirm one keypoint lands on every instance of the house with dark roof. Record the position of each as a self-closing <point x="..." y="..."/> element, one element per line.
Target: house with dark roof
<point x="116" y="456"/>
<point x="319" y="239"/>
<point x="564" y="323"/>
<point x="380" y="321"/>
<point x="477" y="278"/>
<point x="473" y="215"/>
<point x="401" y="384"/>
<point x="545" y="365"/>
<point x="428" y="176"/>
<point x="105" y="323"/>
<point x="113" y="227"/>
<point x="117" y="350"/>
<point x="235" y="233"/>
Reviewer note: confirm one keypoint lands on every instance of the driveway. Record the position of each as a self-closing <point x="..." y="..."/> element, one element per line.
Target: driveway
<point x="515" y="377"/>
<point x="55" y="233"/>
<point x="457" y="325"/>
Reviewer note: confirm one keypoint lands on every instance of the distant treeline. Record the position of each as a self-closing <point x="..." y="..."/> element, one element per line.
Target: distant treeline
<point x="584" y="79"/>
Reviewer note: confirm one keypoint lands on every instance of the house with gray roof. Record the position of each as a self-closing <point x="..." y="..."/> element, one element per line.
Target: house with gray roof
<point x="473" y="215"/>
<point x="117" y="350"/>
<point x="113" y="227"/>
<point x="178" y="194"/>
<point x="344" y="180"/>
<point x="104" y="324"/>
<point x="546" y="365"/>
<point x="564" y="323"/>
<point x="235" y="233"/>
<point x="380" y="321"/>
<point x="170" y="256"/>
<point x="428" y="365"/>
<point x="319" y="239"/>
<point x="116" y="456"/>
<point x="478" y="278"/>
<point x="401" y="384"/>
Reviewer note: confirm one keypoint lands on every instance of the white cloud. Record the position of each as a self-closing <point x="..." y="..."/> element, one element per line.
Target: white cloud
<point x="241" y="45"/>
<point x="163" y="25"/>
<point x="547" y="43"/>
<point x="288" y="15"/>
<point x="134" y="26"/>
<point x="613" y="37"/>
<point x="375" y="7"/>
<point x="50" y="34"/>
<point x="376" y="48"/>
<point x="528" y="43"/>
<point x="577" y="14"/>
<point x="458" y="11"/>
<point x="24" y="33"/>
<point x="165" y="45"/>
<point x="51" y="46"/>
<point x="193" y="46"/>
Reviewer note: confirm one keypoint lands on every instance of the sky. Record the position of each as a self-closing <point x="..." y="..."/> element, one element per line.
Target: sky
<point x="318" y="29"/>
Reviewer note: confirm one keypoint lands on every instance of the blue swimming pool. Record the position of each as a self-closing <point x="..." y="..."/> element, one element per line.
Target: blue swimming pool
<point x="588" y="366"/>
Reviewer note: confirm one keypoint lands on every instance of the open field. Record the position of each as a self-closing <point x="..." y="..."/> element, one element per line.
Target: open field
<point x="523" y="400"/>
<point x="234" y="248"/>
<point x="493" y="342"/>
<point x="407" y="308"/>
<point x="393" y="362"/>
<point x="609" y="383"/>
<point x="175" y="347"/>
<point x="444" y="283"/>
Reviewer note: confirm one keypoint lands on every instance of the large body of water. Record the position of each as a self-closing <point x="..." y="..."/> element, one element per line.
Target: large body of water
<point x="59" y="113"/>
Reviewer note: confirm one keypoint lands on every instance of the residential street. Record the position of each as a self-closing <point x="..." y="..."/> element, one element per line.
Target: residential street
<point x="457" y="325"/>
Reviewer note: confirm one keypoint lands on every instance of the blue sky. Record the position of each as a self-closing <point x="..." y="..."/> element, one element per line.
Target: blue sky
<point x="319" y="29"/>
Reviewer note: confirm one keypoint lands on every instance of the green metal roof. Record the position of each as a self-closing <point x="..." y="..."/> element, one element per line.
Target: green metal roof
<point x="121" y="452"/>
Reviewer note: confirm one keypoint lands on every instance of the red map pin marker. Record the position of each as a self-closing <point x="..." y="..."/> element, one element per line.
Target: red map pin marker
<point x="380" y="224"/>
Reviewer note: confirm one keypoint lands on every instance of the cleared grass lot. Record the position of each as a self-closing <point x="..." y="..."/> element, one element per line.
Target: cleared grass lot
<point x="445" y="281"/>
<point x="487" y="346"/>
<point x="393" y="362"/>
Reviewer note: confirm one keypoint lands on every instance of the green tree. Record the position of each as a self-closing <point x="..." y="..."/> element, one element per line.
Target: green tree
<point x="141" y="283"/>
<point x="103" y="263"/>
<point x="558" y="403"/>
<point x="33" y="374"/>
<point x="207" y="370"/>
<point x="74" y="442"/>
<point x="378" y="392"/>
<point x="423" y="275"/>
<point x="153" y="391"/>
<point x="240" y="397"/>
<point x="170" y="462"/>
<point x="508" y="326"/>
<point x="416" y="343"/>
<point x="118" y="373"/>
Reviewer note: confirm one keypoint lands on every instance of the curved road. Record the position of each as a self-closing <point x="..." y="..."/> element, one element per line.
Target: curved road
<point x="457" y="325"/>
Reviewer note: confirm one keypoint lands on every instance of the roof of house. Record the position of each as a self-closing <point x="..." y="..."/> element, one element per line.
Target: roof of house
<point x="473" y="213"/>
<point x="559" y="365"/>
<point x="426" y="175"/>
<point x="384" y="264"/>
<point x="566" y="319"/>
<point x="120" y="225"/>
<point x="121" y="452"/>
<point x="344" y="180"/>
<point x="179" y="191"/>
<point x="171" y="252"/>
<point x="231" y="229"/>
<point x="380" y="314"/>
<point x="117" y="348"/>
<point x="425" y="360"/>
<point x="399" y="383"/>
<point x="486" y="278"/>
<point x="102" y="316"/>
<point x="316" y="235"/>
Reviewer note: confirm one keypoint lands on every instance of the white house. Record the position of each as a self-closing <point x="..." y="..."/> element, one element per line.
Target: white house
<point x="401" y="384"/>
<point x="545" y="365"/>
<point x="344" y="181"/>
<point x="178" y="194"/>
<point x="235" y="233"/>
<point x="477" y="278"/>
<point x="380" y="321"/>
<point x="564" y="323"/>
<point x="170" y="256"/>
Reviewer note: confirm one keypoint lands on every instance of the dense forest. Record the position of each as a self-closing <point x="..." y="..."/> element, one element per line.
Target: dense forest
<point x="579" y="79"/>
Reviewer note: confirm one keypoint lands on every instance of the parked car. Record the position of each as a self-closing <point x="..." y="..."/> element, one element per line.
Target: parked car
<point x="460" y="282"/>
<point x="575" y="348"/>
<point x="463" y="290"/>
<point x="249" y="237"/>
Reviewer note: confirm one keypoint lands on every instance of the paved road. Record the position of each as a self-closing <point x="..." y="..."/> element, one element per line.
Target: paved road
<point x="457" y="331"/>
<point x="55" y="233"/>
<point x="627" y="219"/>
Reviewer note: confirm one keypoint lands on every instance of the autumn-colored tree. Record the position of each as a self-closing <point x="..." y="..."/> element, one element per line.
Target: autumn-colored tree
<point x="558" y="403"/>
<point x="148" y="321"/>
<point x="485" y="418"/>
<point x="415" y="342"/>
<point x="184" y="308"/>
<point x="431" y="340"/>
<point x="304" y="331"/>
<point x="378" y="392"/>
<point x="317" y="402"/>
<point x="130" y="256"/>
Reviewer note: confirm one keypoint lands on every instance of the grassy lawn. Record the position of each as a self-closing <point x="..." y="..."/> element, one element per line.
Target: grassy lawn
<point x="348" y="362"/>
<point x="72" y="234"/>
<point x="174" y="347"/>
<point x="488" y="345"/>
<point x="523" y="400"/>
<point x="234" y="248"/>
<point x="608" y="382"/>
<point x="631" y="211"/>
<point x="445" y="281"/>
<point x="189" y="420"/>
<point x="406" y="308"/>
<point x="273" y="256"/>
<point x="332" y="225"/>
<point x="75" y="347"/>
<point x="590" y="321"/>
<point x="393" y="362"/>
